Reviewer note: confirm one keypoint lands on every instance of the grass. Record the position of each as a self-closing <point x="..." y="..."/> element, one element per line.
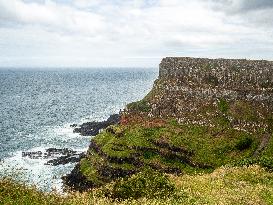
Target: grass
<point x="148" y="183"/>
<point x="170" y="147"/>
<point x="16" y="193"/>
<point x="90" y="171"/>
<point x="228" y="185"/>
<point x="225" y="185"/>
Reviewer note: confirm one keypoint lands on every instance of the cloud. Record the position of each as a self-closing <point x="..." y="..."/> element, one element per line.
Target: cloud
<point x="244" y="5"/>
<point x="255" y="13"/>
<point x="50" y="15"/>
<point x="125" y="32"/>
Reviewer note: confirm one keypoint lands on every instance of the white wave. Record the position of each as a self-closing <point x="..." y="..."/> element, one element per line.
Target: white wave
<point x="34" y="171"/>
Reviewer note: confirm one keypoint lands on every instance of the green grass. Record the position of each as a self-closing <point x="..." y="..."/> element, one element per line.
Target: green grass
<point x="170" y="146"/>
<point x="148" y="183"/>
<point x="15" y="193"/>
<point x="223" y="105"/>
<point x="225" y="185"/>
<point x="90" y="172"/>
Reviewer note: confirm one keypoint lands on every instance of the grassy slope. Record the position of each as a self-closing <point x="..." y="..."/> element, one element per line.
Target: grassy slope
<point x="166" y="146"/>
<point x="226" y="185"/>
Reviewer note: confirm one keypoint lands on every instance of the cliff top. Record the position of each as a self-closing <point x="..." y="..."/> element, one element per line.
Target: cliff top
<point x="225" y="73"/>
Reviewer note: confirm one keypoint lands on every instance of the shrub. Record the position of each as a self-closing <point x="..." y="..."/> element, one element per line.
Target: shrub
<point x="147" y="184"/>
<point x="244" y="143"/>
<point x="245" y="162"/>
<point x="141" y="106"/>
<point x="223" y="105"/>
<point x="223" y="121"/>
<point x="148" y="154"/>
<point x="266" y="162"/>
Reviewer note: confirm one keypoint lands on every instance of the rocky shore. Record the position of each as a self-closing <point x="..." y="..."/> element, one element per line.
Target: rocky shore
<point x="56" y="156"/>
<point x="62" y="156"/>
<point x="93" y="128"/>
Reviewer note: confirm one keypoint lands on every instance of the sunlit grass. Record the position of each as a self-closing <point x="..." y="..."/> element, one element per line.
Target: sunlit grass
<point x="226" y="185"/>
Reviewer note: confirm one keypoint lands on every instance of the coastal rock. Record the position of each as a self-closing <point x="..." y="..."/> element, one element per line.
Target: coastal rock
<point x="57" y="156"/>
<point x="76" y="180"/>
<point x="93" y="128"/>
<point x="66" y="159"/>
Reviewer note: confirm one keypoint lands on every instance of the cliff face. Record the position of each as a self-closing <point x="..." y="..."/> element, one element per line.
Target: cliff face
<point x="190" y="90"/>
<point x="229" y="74"/>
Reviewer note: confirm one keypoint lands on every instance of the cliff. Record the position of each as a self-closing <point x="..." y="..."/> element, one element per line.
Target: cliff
<point x="191" y="89"/>
<point x="201" y="114"/>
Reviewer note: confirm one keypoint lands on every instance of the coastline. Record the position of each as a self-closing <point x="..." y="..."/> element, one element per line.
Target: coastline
<point x="184" y="103"/>
<point x="197" y="132"/>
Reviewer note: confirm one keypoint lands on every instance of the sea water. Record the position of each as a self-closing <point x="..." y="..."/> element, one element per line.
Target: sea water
<point x="37" y="107"/>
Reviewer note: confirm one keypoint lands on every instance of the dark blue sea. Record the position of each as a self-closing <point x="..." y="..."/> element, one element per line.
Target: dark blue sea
<point x="37" y="108"/>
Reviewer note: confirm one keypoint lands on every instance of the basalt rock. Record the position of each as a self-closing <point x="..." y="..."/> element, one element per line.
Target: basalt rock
<point x="76" y="180"/>
<point x="66" y="159"/>
<point x="93" y="128"/>
<point x="56" y="156"/>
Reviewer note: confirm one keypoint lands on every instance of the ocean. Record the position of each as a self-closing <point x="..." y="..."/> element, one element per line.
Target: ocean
<point x="37" y="108"/>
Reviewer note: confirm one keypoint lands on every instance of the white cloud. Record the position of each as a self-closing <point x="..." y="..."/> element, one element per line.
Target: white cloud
<point x="130" y="32"/>
<point x="51" y="15"/>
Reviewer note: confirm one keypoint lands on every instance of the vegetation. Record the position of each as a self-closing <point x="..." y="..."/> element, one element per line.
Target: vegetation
<point x="166" y="146"/>
<point x="139" y="106"/>
<point x="223" y="105"/>
<point x="226" y="185"/>
<point x="244" y="143"/>
<point x="149" y="184"/>
<point x="211" y="80"/>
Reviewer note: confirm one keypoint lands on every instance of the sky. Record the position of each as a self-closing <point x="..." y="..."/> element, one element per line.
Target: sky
<point x="131" y="33"/>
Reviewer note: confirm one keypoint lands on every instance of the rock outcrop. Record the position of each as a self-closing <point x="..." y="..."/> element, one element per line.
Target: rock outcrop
<point x="93" y="128"/>
<point x="56" y="156"/>
<point x="189" y="88"/>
